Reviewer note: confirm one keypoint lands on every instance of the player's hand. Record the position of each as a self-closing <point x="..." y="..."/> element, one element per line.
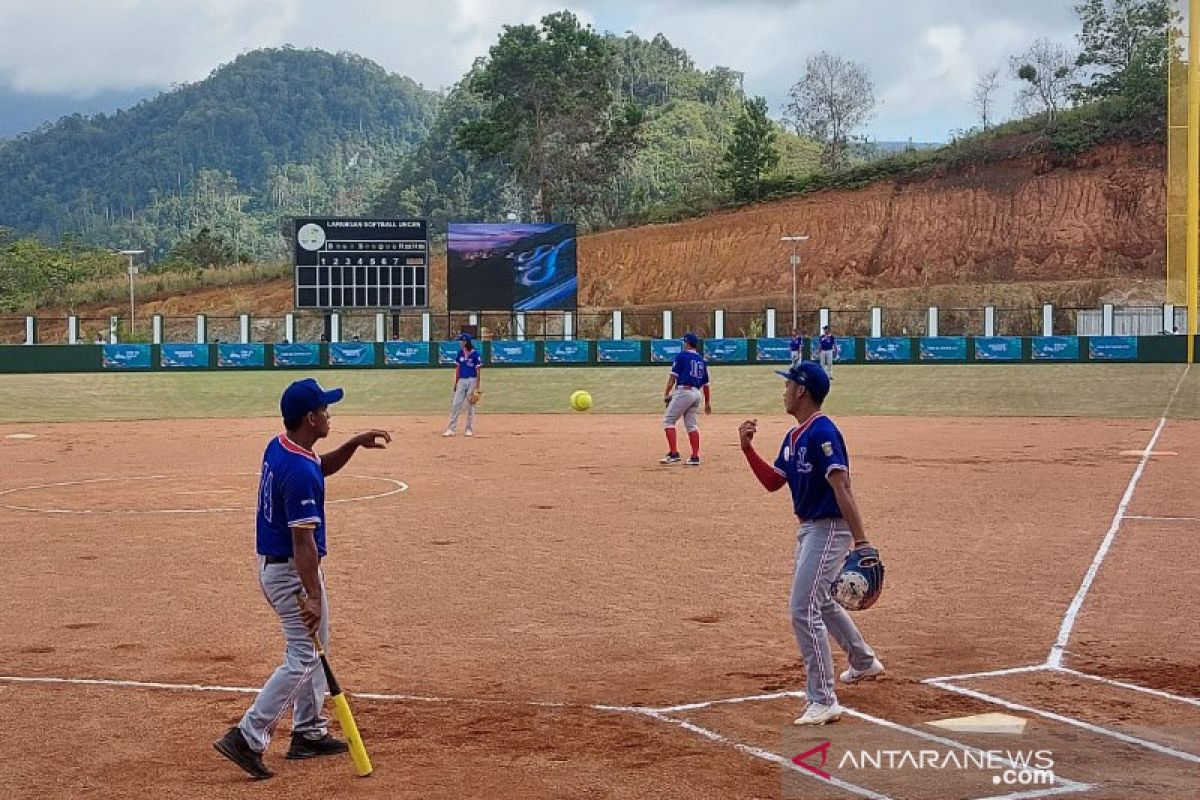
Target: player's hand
<point x="747" y="430"/>
<point x="708" y="408"/>
<point x="372" y="439"/>
<point x="310" y="613"/>
<point x="666" y="399"/>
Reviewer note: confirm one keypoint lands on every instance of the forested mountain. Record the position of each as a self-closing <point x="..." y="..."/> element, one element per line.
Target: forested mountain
<point x="273" y="133"/>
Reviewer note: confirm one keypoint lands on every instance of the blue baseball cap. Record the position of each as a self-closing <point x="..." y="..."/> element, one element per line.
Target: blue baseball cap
<point x="809" y="375"/>
<point x="305" y="396"/>
<point x="692" y="339"/>
<point x="464" y="337"/>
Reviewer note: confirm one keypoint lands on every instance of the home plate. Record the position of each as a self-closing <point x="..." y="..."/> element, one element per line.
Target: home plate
<point x="1152" y="452"/>
<point x="21" y="436"/>
<point x="983" y="723"/>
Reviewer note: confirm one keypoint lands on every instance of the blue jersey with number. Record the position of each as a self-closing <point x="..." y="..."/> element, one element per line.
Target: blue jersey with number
<point x="468" y="363"/>
<point x="796" y="343"/>
<point x="690" y="369"/>
<point x="810" y="452"/>
<point x="827" y="342"/>
<point x="291" y="491"/>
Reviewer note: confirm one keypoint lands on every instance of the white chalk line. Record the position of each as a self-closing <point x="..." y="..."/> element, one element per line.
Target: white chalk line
<point x="1162" y="519"/>
<point x="1072" y="721"/>
<point x="1055" y="657"/>
<point x="1131" y="686"/>
<point x="397" y="487"/>
<point x="989" y="674"/>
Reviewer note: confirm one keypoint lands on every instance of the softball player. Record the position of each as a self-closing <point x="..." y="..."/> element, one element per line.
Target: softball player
<point x="813" y="463"/>
<point x="290" y="545"/>
<point x="827" y="350"/>
<point x="467" y="366"/>
<point x="687" y="381"/>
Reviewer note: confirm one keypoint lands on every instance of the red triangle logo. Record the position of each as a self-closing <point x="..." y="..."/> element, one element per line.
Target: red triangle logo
<point x="823" y="749"/>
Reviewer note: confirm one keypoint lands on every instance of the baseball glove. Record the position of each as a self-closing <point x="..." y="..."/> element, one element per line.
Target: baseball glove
<point x="861" y="580"/>
<point x="475" y="396"/>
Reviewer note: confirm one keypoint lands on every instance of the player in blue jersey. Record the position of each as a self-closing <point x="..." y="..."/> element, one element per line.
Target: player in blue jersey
<point x="685" y="385"/>
<point x="813" y="463"/>
<point x="796" y="347"/>
<point x="467" y="386"/>
<point x="290" y="544"/>
<point x="827" y="350"/>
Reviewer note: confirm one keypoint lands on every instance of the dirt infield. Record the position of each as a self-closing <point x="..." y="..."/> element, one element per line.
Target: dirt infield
<point x="498" y="589"/>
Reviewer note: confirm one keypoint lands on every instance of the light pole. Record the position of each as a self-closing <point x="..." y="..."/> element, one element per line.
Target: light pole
<point x="132" y="272"/>
<point x="795" y="259"/>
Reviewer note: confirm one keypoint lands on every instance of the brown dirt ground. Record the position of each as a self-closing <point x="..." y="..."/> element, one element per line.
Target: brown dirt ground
<point x="552" y="559"/>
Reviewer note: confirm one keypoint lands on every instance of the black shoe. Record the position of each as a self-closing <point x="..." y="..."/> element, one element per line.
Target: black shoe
<point x="670" y="458"/>
<point x="694" y="461"/>
<point x="311" y="748"/>
<point x="234" y="747"/>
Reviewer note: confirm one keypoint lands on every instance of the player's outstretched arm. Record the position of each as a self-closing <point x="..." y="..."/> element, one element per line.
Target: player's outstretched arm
<point x="768" y="477"/>
<point x="334" y="460"/>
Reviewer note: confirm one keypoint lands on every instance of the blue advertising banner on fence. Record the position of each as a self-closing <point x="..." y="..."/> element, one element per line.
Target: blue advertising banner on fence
<point x="306" y="354"/>
<point x="1055" y="348"/>
<point x="565" y="352"/>
<point x="402" y="354"/>
<point x="663" y="351"/>
<point x="889" y="348"/>
<point x="998" y="348"/>
<point x="511" y="351"/>
<point x="772" y="350"/>
<point x="727" y="351"/>
<point x="183" y="356"/>
<point x="241" y="355"/>
<point x="1113" y="348"/>
<point x="846" y="349"/>
<point x="352" y="354"/>
<point x="619" y="351"/>
<point x="448" y="351"/>
<point x="944" y="348"/>
<point x="126" y="356"/>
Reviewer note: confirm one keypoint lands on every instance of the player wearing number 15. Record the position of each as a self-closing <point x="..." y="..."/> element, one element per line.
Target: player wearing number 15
<point x="290" y="545"/>
<point x="687" y="381"/>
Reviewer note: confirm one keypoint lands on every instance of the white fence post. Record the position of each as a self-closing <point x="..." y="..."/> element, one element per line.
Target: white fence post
<point x="380" y="327"/>
<point x="1047" y="320"/>
<point x="823" y="318"/>
<point x="876" y="322"/>
<point x="156" y="328"/>
<point x="113" y="323"/>
<point x="30" y="330"/>
<point x="426" y="326"/>
<point x="1168" y="319"/>
<point x="931" y="328"/>
<point x="72" y="329"/>
<point x="769" y="331"/>
<point x="989" y="320"/>
<point x="719" y="323"/>
<point x="568" y="324"/>
<point x="244" y="328"/>
<point x="618" y="325"/>
<point x="201" y="329"/>
<point x="1106" y="324"/>
<point x="666" y="326"/>
<point x="335" y="327"/>
<point x="520" y="326"/>
<point x="289" y="327"/>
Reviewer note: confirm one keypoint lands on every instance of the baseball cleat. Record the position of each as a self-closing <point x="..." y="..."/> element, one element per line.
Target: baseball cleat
<point x="233" y="746"/>
<point x="818" y="714"/>
<point x="448" y="432"/>
<point x="694" y="461"/>
<point x="468" y="432"/>
<point x="853" y="675"/>
<point x="670" y="458"/>
<point x="303" y="747"/>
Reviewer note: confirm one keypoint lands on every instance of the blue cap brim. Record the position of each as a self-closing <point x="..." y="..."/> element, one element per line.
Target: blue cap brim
<point x="332" y="396"/>
<point x="783" y="374"/>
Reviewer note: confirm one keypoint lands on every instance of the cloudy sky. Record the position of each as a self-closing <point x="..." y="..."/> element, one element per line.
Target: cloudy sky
<point x="924" y="55"/>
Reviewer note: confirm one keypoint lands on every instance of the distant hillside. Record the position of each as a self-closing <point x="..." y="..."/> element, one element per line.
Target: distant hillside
<point x="273" y="133"/>
<point x="24" y="112"/>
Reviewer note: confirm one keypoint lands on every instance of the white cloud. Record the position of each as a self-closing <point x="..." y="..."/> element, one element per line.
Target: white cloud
<point x="923" y="54"/>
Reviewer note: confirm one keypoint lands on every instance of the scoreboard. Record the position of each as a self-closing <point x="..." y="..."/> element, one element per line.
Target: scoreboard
<point x="361" y="263"/>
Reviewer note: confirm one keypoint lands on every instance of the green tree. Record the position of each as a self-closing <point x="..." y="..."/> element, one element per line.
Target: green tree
<point x="1123" y="50"/>
<point x="550" y="112"/>
<point x="202" y="249"/>
<point x="752" y="154"/>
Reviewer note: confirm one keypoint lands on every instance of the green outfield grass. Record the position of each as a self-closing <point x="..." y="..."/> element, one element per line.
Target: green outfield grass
<point x="1075" y="390"/>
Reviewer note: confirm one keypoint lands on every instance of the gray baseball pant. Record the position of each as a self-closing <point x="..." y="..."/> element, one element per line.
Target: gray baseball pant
<point x="821" y="547"/>
<point x="826" y="358"/>
<point x="299" y="683"/>
<point x="685" y="402"/>
<point x="461" y="392"/>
